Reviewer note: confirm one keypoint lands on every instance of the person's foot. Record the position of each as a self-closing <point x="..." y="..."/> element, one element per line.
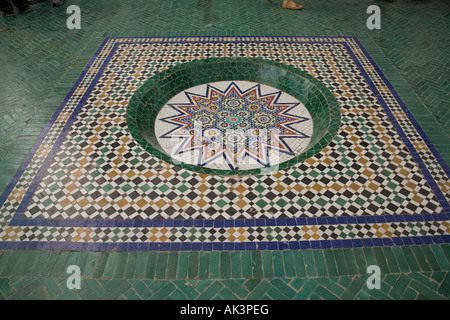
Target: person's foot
<point x="8" y="14"/>
<point x="291" y="5"/>
<point x="26" y="10"/>
<point x="57" y="3"/>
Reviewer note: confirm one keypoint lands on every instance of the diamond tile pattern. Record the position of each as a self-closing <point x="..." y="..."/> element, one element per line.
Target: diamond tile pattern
<point x="37" y="54"/>
<point x="90" y="168"/>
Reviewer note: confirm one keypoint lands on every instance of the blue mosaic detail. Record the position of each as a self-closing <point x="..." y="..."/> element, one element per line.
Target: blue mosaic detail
<point x="233" y="124"/>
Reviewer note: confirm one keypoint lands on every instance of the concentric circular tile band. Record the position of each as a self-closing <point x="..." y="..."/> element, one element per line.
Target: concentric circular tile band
<point x="159" y="91"/>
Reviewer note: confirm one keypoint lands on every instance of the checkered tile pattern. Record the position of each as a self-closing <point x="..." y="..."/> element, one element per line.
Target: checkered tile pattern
<point x="233" y="234"/>
<point x="100" y="172"/>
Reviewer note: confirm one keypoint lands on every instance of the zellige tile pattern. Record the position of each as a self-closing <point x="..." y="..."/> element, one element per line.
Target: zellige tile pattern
<point x="97" y="189"/>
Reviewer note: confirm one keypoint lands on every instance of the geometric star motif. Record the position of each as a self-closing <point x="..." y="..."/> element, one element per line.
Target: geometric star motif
<point x="235" y="126"/>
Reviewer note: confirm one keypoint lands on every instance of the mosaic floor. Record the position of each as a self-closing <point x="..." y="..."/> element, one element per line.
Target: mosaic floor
<point x="90" y="183"/>
<point x="41" y="66"/>
<point x="236" y="128"/>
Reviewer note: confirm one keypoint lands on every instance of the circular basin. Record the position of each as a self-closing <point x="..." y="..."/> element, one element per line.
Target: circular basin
<point x="233" y="116"/>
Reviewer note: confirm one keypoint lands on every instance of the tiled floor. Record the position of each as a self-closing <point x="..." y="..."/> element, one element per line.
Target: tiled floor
<point x="372" y="189"/>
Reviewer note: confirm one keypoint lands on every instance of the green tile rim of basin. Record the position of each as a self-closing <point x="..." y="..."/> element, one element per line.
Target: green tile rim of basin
<point x="148" y="100"/>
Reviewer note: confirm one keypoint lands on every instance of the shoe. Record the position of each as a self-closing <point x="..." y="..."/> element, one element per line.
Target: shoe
<point x="8" y="14"/>
<point x="57" y="3"/>
<point x="294" y="7"/>
<point x="26" y="10"/>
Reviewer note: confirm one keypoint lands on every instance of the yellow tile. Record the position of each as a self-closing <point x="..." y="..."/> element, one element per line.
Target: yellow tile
<point x="167" y="174"/>
<point x="122" y="202"/>
<point x="181" y="203"/>
<point x="373" y="186"/>
<point x="161" y="203"/>
<point x="417" y="198"/>
<point x="241" y="189"/>
<point x="130" y="174"/>
<point x="142" y="203"/>
<point x="202" y="188"/>
<point x="103" y="202"/>
<point x="148" y="174"/>
<point x="279" y="188"/>
<point x="317" y="187"/>
<point x="241" y="203"/>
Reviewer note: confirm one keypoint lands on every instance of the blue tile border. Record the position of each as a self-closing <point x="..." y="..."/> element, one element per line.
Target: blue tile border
<point x="98" y="223"/>
<point x="35" y="147"/>
<point x="20" y="220"/>
<point x="437" y="191"/>
<point x="225" y="246"/>
<point x="411" y="118"/>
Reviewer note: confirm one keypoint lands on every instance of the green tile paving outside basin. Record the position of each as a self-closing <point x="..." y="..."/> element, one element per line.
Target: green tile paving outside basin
<point x="304" y="274"/>
<point x="41" y="60"/>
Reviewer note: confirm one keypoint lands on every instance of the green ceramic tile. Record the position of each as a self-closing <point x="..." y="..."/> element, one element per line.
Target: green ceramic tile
<point x="440" y="257"/>
<point x="186" y="289"/>
<point x="211" y="291"/>
<point x="194" y="262"/>
<point x="319" y="259"/>
<point x="214" y="265"/>
<point x="100" y="263"/>
<point x="340" y="262"/>
<point x="10" y="263"/>
<point x="381" y="260"/>
<point x="330" y="263"/>
<point x="401" y="259"/>
<point x="307" y="289"/>
<point x="350" y="261"/>
<point x="425" y="291"/>
<point x="278" y="265"/>
<point x="353" y="289"/>
<point x="51" y="260"/>
<point x="141" y="265"/>
<point x="420" y="258"/>
<point x="18" y="269"/>
<point x="267" y="264"/>
<point x="151" y="265"/>
<point x="87" y="270"/>
<point x="235" y="288"/>
<point x="225" y="265"/>
<point x="287" y="291"/>
<point x="204" y="265"/>
<point x="161" y="265"/>
<point x="289" y="265"/>
<point x="430" y="258"/>
<point x="259" y="291"/>
<point x="444" y="289"/>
